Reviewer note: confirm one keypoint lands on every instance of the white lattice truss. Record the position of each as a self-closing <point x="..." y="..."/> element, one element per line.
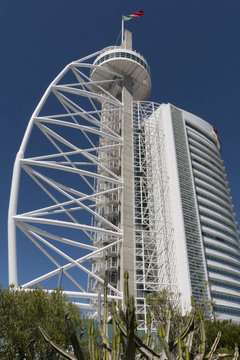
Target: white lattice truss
<point x="75" y="165"/>
<point x="73" y="177"/>
<point x="155" y="254"/>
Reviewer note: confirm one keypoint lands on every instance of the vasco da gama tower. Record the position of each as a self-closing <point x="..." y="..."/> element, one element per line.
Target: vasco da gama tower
<point x="106" y="181"/>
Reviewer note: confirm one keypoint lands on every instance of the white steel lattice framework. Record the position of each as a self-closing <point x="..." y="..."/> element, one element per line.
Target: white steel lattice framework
<point x="72" y="204"/>
<point x="70" y="141"/>
<point x="154" y="238"/>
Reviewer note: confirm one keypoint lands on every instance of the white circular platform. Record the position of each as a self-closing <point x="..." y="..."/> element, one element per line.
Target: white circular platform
<point x="128" y="63"/>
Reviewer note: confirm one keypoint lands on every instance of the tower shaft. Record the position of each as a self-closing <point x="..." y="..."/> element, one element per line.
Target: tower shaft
<point x="127" y="202"/>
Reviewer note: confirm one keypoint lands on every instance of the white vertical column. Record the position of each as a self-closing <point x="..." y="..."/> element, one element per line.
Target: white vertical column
<point x="127" y="208"/>
<point x="182" y="265"/>
<point x="127" y="260"/>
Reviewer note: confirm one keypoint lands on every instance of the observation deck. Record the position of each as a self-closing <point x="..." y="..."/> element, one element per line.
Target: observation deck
<point x="127" y="63"/>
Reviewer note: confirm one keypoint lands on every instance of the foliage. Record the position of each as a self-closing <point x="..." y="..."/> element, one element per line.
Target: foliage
<point x="24" y="315"/>
<point x="230" y="334"/>
<point x="126" y="344"/>
<point x="160" y="304"/>
<point x="21" y="312"/>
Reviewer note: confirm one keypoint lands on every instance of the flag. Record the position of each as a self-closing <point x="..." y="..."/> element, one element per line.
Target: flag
<point x="134" y="15"/>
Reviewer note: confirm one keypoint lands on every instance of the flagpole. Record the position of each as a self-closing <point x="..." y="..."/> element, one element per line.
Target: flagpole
<point x="122" y="28"/>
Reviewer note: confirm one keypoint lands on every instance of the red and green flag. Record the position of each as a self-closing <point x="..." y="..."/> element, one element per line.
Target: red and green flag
<point x="134" y="15"/>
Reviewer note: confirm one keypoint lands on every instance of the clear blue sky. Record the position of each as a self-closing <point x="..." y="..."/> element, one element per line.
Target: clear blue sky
<point x="192" y="48"/>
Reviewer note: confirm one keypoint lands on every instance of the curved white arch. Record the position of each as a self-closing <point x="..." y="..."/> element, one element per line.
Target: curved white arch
<point x="84" y="106"/>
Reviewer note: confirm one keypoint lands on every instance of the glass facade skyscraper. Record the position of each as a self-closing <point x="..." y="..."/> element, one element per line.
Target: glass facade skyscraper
<point x="203" y="218"/>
